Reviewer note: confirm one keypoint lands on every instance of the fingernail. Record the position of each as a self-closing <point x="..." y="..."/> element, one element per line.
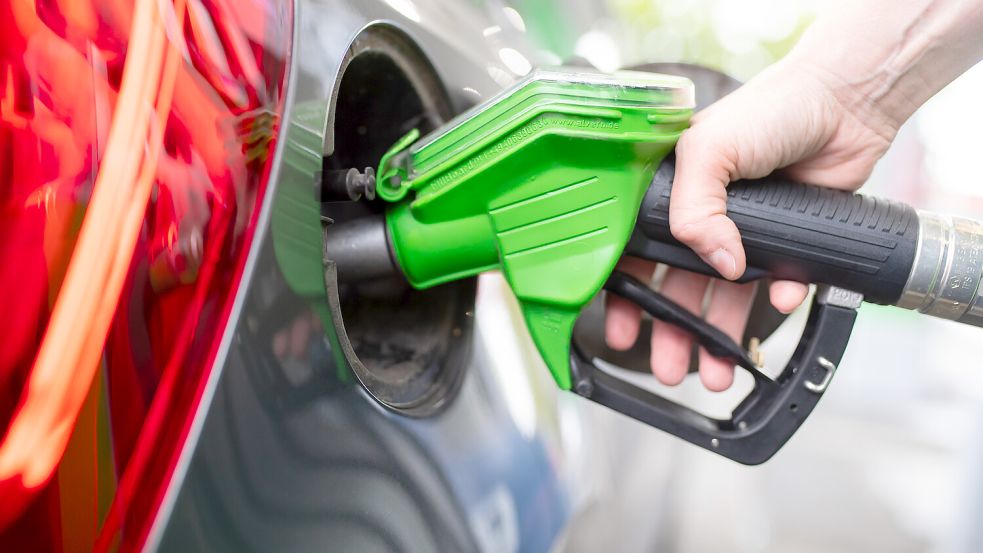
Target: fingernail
<point x="724" y="263"/>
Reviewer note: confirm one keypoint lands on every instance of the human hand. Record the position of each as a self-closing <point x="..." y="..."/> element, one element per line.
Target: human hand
<point x="794" y="117"/>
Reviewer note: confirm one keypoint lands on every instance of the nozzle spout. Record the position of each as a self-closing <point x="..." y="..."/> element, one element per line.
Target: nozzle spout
<point x="360" y="249"/>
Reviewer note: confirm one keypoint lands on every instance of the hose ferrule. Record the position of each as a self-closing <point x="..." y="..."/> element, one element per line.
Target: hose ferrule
<point x="947" y="271"/>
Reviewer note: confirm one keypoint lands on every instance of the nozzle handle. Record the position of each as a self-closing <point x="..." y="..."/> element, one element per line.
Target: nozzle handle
<point x="796" y="231"/>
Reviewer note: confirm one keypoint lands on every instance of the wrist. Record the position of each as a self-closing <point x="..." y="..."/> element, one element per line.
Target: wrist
<point x="868" y="101"/>
<point x="882" y="59"/>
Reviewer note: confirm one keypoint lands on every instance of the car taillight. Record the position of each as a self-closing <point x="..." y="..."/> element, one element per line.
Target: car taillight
<point x="136" y="139"/>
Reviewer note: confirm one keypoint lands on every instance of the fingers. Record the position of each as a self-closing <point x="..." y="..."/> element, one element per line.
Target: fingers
<point x="671" y="346"/>
<point x="730" y="304"/>
<point x="786" y="295"/>
<point x="698" y="205"/>
<point x="624" y="317"/>
<point x="770" y="122"/>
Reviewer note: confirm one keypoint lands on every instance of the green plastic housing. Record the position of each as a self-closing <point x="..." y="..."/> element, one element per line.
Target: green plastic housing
<point x="543" y="181"/>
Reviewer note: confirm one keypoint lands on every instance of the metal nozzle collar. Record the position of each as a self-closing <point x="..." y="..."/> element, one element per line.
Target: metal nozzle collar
<point x="948" y="268"/>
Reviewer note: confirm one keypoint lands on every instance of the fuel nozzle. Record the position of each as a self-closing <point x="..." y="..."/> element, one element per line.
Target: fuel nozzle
<point x="360" y="249"/>
<point x="557" y="178"/>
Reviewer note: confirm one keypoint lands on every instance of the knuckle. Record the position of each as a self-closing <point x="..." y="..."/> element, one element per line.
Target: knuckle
<point x="701" y="143"/>
<point x="694" y="144"/>
<point x="710" y="151"/>
<point x="684" y="229"/>
<point x="692" y="222"/>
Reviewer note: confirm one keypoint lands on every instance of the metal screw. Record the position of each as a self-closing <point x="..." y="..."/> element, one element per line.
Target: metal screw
<point x="348" y="184"/>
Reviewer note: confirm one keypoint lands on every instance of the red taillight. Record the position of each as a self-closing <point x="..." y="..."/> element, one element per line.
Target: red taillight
<point x="135" y="141"/>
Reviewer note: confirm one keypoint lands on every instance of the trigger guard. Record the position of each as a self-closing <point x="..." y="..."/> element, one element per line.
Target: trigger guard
<point x="766" y="418"/>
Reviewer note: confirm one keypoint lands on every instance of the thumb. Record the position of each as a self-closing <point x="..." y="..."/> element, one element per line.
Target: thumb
<point x="698" y="204"/>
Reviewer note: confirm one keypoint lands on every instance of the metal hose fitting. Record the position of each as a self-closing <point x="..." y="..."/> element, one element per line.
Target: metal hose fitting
<point x="948" y="269"/>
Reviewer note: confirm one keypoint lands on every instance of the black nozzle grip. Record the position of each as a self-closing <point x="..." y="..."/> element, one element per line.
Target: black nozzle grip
<point x="796" y="231"/>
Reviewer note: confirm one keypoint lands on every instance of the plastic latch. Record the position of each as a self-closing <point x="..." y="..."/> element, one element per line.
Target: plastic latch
<point x="392" y="181"/>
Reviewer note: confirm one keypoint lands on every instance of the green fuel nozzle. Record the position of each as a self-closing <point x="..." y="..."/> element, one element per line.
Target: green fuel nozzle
<point x="543" y="181"/>
<point x="556" y="178"/>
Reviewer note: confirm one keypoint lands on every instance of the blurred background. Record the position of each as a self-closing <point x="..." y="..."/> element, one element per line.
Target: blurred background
<point x="888" y="460"/>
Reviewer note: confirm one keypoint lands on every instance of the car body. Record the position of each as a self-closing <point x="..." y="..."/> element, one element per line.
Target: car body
<point x="278" y="441"/>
